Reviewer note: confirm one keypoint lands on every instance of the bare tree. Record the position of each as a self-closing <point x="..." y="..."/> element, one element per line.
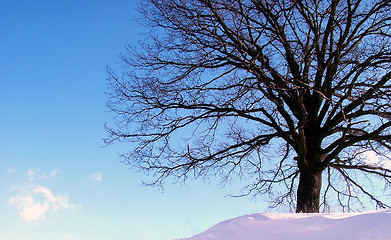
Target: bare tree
<point x="286" y="93"/>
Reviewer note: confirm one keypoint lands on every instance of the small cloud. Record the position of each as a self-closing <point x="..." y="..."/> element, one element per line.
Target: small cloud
<point x="31" y="175"/>
<point x="38" y="174"/>
<point x="34" y="202"/>
<point x="55" y="172"/>
<point x="96" y="177"/>
<point x="68" y="237"/>
<point x="372" y="158"/>
<point x="11" y="170"/>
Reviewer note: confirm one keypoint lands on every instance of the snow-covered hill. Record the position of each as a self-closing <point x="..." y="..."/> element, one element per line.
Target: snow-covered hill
<point x="283" y="226"/>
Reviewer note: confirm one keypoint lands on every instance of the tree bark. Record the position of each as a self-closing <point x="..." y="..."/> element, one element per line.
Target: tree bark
<point x="308" y="192"/>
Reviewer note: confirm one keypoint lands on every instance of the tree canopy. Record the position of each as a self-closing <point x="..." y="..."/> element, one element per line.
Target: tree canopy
<point x="295" y="95"/>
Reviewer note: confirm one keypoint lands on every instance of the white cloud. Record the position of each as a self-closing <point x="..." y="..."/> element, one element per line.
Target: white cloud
<point x="55" y="172"/>
<point x="68" y="237"/>
<point x="34" y="202"/>
<point x="372" y="158"/>
<point x="11" y="170"/>
<point x="37" y="174"/>
<point x="31" y="174"/>
<point x="96" y="177"/>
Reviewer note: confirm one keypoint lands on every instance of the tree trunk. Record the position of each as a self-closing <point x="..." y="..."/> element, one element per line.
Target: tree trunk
<point x="308" y="192"/>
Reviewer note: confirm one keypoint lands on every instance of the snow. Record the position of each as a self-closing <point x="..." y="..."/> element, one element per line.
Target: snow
<point x="292" y="226"/>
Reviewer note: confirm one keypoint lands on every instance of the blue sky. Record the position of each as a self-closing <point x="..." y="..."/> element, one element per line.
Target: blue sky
<point x="57" y="182"/>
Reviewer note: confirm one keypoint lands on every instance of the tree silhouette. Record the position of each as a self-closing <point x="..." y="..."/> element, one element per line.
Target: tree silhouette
<point x="285" y="93"/>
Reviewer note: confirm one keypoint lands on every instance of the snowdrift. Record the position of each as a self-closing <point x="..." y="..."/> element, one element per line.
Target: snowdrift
<point x="292" y="226"/>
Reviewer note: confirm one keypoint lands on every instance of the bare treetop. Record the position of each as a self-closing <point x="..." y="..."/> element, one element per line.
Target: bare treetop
<point x="285" y="92"/>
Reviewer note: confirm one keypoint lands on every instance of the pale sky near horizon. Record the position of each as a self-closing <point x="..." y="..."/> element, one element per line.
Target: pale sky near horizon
<point x="57" y="182"/>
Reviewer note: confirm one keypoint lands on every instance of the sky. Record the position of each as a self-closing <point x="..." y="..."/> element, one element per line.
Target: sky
<point x="57" y="180"/>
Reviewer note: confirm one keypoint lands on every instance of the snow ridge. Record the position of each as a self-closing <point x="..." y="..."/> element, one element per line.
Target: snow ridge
<point x="292" y="226"/>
